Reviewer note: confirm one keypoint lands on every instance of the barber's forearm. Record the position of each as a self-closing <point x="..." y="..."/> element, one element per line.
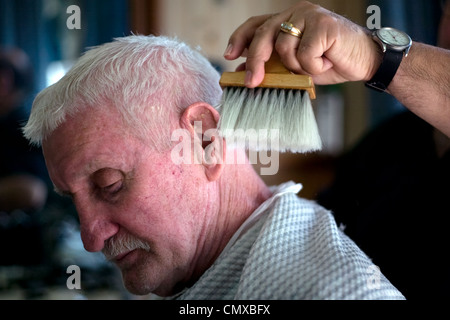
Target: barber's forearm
<point x="422" y="84"/>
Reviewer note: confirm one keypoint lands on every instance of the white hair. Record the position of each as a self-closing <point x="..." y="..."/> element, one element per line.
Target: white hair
<point x="148" y="79"/>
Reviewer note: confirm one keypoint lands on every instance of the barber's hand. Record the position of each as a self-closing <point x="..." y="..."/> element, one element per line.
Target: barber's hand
<point x="332" y="49"/>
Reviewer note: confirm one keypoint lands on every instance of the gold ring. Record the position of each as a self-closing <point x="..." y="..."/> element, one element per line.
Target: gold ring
<point x="289" y="28"/>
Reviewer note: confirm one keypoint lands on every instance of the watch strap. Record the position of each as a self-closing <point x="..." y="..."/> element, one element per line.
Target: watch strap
<point x="387" y="70"/>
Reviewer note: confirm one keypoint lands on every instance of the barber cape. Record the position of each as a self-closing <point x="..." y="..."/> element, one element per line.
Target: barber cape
<point x="291" y="248"/>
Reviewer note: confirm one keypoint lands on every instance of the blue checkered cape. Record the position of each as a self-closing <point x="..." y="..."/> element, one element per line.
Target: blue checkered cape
<point x="291" y="248"/>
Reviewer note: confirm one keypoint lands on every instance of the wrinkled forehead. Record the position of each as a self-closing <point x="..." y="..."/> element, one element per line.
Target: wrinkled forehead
<point x="84" y="138"/>
<point x="89" y="124"/>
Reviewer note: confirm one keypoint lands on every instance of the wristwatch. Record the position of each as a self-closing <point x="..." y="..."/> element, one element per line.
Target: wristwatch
<point x="395" y="45"/>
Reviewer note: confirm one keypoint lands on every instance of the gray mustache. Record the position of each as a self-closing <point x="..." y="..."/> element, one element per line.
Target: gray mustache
<point x="117" y="245"/>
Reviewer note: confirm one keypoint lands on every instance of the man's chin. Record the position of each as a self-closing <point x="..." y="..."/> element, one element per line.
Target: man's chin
<point x="141" y="278"/>
<point x="142" y="275"/>
<point x="141" y="285"/>
<point x="136" y="290"/>
<point x="136" y="284"/>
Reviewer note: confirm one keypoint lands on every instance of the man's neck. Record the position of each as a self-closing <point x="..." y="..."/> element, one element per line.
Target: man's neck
<point x="241" y="192"/>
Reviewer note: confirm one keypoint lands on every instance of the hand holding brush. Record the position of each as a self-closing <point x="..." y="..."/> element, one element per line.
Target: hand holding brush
<point x="331" y="49"/>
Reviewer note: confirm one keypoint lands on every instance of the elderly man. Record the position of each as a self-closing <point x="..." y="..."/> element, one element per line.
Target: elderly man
<point x="196" y="229"/>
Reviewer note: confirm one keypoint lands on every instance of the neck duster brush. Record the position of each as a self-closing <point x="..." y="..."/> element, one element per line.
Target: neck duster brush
<point x="276" y="116"/>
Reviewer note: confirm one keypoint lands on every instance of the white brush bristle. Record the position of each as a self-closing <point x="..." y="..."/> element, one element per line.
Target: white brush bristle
<point x="263" y="119"/>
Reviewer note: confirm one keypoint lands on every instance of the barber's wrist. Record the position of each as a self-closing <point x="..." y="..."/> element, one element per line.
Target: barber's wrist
<point x="404" y="70"/>
<point x="375" y="57"/>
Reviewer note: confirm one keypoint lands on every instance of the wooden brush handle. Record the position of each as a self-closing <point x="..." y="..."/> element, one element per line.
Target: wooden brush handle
<point x="276" y="76"/>
<point x="274" y="65"/>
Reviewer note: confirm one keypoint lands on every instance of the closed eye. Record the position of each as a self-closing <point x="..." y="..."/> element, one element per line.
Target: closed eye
<point x="108" y="182"/>
<point x="113" y="188"/>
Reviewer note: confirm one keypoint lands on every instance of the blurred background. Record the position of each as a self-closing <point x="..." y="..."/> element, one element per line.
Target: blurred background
<point x="39" y="235"/>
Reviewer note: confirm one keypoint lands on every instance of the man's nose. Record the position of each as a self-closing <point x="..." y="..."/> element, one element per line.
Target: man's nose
<point x="96" y="225"/>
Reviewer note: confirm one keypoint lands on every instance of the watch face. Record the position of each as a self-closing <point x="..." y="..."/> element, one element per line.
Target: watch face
<point x="394" y="37"/>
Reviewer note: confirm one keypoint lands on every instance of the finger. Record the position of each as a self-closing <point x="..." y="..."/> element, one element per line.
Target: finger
<point x="240" y="67"/>
<point x="261" y="49"/>
<point x="242" y="36"/>
<point x="287" y="45"/>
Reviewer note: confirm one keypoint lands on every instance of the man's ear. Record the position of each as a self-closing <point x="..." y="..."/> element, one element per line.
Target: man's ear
<point x="201" y="120"/>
